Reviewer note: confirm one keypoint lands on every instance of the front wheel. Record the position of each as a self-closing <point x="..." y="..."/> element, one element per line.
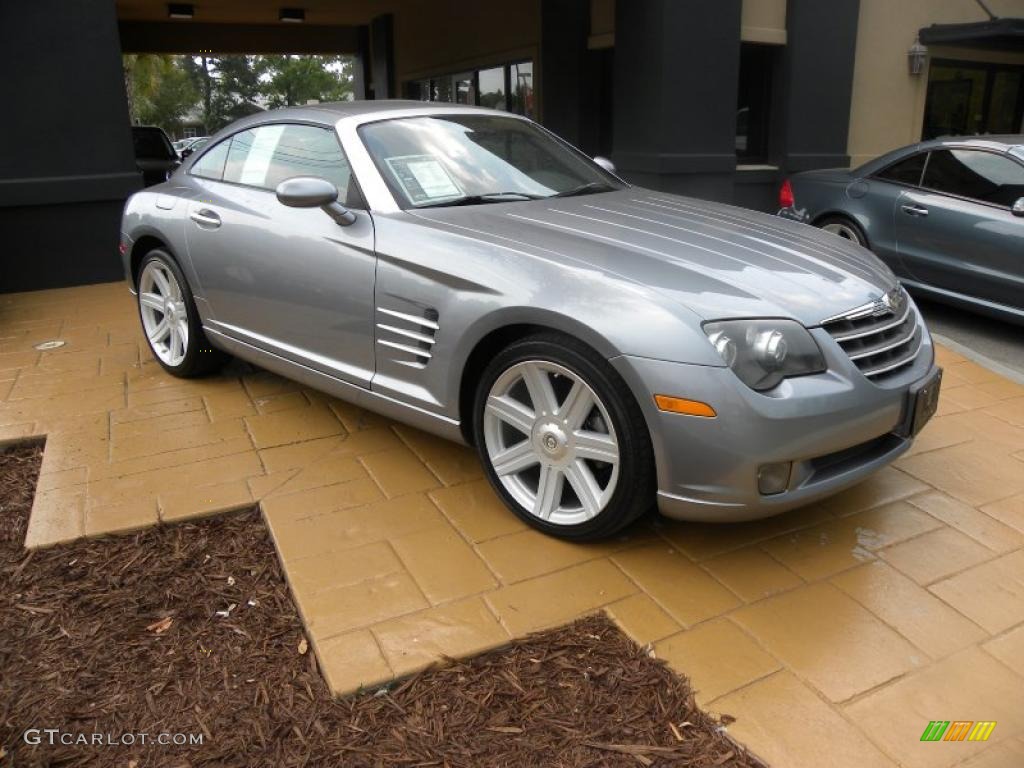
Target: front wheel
<point x="844" y="228"/>
<point x="562" y="439"/>
<point x="170" y="319"/>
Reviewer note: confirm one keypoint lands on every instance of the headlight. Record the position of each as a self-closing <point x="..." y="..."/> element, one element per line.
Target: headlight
<point x="764" y="352"/>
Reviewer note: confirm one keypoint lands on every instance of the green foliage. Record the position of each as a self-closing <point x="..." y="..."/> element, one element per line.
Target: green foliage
<point x="292" y="80"/>
<point x="160" y="91"/>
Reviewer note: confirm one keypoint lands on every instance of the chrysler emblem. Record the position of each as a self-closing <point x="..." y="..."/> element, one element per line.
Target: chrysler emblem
<point x="893" y="302"/>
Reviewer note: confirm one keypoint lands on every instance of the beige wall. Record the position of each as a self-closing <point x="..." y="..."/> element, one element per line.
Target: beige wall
<point x="763" y="21"/>
<point x="887" y="108"/>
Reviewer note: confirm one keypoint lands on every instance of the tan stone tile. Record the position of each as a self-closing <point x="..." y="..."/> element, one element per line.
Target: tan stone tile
<point x="1004" y="754"/>
<point x="968" y="520"/>
<point x="398" y="472"/>
<point x="836" y="545"/>
<point x="457" y="630"/>
<point x="232" y="404"/>
<point x="353" y="417"/>
<point x="13" y="360"/>
<point x="265" y="384"/>
<point x="945" y="356"/>
<point x="530" y="553"/>
<point x="971" y="372"/>
<point x="72" y="451"/>
<point x="990" y="432"/>
<point x="1001" y="389"/>
<point x="936" y="554"/>
<point x="443" y="565"/>
<point x="884" y="487"/>
<point x="178" y="458"/>
<point x="49" y="481"/>
<point x="352" y="662"/>
<point x="476" y="510"/>
<point x="718" y="657"/>
<point x="838" y="646"/>
<point x="298" y="455"/>
<point x="969" y="472"/>
<point x="991" y="594"/>
<point x="330" y="612"/>
<point x="920" y="617"/>
<point x="147" y="412"/>
<point x="204" y="500"/>
<point x="31" y="386"/>
<point x="292" y="426"/>
<point x="61" y="406"/>
<point x="451" y="462"/>
<point x="154" y="428"/>
<point x="178" y="390"/>
<point x="263" y="485"/>
<point x="328" y="570"/>
<point x="1009" y="511"/>
<point x="1009" y="649"/>
<point x="330" y="469"/>
<point x="968" y="397"/>
<point x="319" y="501"/>
<point x="119" y="518"/>
<point x="558" y="597"/>
<point x="346" y="528"/>
<point x="703" y="540"/>
<point x="642" y="619"/>
<point x="16" y="433"/>
<point x="119" y="357"/>
<point x="751" y="573"/>
<point x="1010" y="411"/>
<point x="147" y="444"/>
<point x="786" y="724"/>
<point x="941" y="432"/>
<point x="6" y="385"/>
<point x="282" y="402"/>
<point x="971" y="682"/>
<point x="662" y="572"/>
<point x="56" y="516"/>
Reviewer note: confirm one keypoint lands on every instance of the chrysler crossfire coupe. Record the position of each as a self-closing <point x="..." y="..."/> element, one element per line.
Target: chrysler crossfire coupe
<point x="605" y="348"/>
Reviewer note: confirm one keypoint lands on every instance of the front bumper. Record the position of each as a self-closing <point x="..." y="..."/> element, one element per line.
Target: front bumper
<point x="836" y="427"/>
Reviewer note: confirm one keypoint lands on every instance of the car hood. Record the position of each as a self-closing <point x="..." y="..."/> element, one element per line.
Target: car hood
<point x="718" y="260"/>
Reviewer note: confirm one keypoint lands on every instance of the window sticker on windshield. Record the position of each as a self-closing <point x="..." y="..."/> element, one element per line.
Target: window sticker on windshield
<point x="424" y="179"/>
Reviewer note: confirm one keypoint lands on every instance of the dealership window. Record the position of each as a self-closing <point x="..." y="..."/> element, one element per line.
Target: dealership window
<point x="509" y="87"/>
<point x="753" y="106"/>
<point x="967" y="98"/>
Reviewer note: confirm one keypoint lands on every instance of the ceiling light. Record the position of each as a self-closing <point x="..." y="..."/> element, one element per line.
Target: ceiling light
<point x="293" y="15"/>
<point x="180" y="10"/>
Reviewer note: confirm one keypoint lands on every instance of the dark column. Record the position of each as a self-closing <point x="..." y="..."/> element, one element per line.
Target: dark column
<point x="382" y="50"/>
<point x="566" y="90"/>
<point x="676" y="71"/>
<point x="67" y="163"/>
<point x="818" y="71"/>
<point x="361" y="67"/>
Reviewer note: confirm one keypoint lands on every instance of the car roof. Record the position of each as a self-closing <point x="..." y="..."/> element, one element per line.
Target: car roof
<point x="1009" y="142"/>
<point x="331" y="112"/>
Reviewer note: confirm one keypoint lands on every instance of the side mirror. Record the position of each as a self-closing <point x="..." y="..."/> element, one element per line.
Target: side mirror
<point x="314" y="192"/>
<point x="605" y="163"/>
<point x="1018" y="207"/>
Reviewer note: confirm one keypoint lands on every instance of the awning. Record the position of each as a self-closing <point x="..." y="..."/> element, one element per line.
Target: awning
<point x="997" y="34"/>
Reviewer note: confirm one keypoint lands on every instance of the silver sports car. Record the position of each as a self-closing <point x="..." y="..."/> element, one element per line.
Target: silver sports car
<point x="947" y="215"/>
<point x="604" y="347"/>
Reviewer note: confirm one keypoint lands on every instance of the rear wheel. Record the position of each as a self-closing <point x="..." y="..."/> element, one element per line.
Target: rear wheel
<point x="170" y="319"/>
<point x="844" y="228"/>
<point x="562" y="439"/>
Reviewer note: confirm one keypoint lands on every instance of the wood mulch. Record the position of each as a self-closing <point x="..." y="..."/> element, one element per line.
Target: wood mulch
<point x="190" y="629"/>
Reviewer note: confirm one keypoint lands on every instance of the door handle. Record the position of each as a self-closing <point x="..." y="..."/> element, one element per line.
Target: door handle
<point x="915" y="210"/>
<point x="204" y="217"/>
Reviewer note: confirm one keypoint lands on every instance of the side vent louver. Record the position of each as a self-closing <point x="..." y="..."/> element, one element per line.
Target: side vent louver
<point x="408" y="336"/>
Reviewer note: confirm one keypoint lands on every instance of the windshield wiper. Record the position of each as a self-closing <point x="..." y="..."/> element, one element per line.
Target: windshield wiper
<point x="488" y="197"/>
<point x="586" y="189"/>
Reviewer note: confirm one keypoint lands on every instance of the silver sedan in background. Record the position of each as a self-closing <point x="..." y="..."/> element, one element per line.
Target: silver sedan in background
<point x="947" y="215"/>
<point x="605" y="348"/>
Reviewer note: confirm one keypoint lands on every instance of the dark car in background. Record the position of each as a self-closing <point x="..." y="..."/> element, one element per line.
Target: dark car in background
<point x="947" y="215"/>
<point x="155" y="156"/>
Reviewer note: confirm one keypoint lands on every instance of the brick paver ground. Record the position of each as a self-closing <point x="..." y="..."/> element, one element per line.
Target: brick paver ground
<point x="833" y="633"/>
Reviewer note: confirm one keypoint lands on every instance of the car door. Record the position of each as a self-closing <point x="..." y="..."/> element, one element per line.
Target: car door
<point x="289" y="281"/>
<point x="957" y="231"/>
<point x="879" y="202"/>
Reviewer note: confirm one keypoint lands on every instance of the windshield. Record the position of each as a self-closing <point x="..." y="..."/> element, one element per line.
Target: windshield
<point x="475" y="159"/>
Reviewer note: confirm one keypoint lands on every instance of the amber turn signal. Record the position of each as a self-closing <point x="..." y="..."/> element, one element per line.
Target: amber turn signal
<point x="682" y="405"/>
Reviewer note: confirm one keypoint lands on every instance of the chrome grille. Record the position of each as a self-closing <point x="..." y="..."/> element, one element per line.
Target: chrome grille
<point x="881" y="337"/>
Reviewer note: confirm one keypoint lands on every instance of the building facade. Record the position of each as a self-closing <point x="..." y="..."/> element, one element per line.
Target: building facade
<point x="718" y="99"/>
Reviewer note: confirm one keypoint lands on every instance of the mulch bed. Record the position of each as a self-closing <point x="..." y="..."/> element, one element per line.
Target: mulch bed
<point x="121" y="636"/>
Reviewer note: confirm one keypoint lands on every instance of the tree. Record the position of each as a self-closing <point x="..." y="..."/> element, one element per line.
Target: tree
<point x="290" y="80"/>
<point x="160" y="91"/>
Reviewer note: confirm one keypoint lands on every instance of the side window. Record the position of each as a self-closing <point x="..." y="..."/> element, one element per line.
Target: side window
<point x="984" y="176"/>
<point x="906" y="171"/>
<point x="267" y="155"/>
<point x="211" y="164"/>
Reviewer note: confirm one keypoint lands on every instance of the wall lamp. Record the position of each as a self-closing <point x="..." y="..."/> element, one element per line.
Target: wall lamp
<point x="916" y="57"/>
<point x="180" y="10"/>
<point x="292" y="15"/>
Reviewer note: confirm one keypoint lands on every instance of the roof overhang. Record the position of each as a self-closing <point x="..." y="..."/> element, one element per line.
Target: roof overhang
<point x="997" y="34"/>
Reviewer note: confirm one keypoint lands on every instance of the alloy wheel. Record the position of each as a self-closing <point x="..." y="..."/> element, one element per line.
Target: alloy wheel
<point x="164" y="315"/>
<point x="551" y="442"/>
<point x="844" y="231"/>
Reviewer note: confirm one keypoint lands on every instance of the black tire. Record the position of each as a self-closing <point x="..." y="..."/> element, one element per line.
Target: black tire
<point x="850" y="229"/>
<point x="201" y="358"/>
<point x="636" y="486"/>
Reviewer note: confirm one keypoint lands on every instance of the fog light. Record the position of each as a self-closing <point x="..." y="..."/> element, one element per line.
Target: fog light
<point x="773" y="478"/>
